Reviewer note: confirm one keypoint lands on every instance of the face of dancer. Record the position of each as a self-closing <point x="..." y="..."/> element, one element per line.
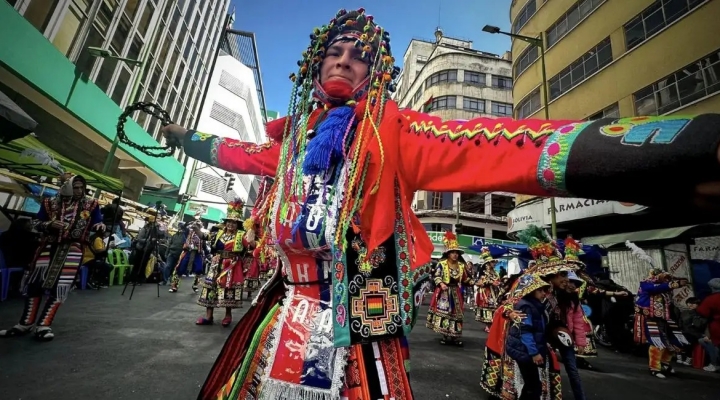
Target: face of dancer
<point x="560" y="281"/>
<point x="454" y="255"/>
<point x="540" y="294"/>
<point x="230" y="226"/>
<point x="344" y="62"/>
<point x="78" y="189"/>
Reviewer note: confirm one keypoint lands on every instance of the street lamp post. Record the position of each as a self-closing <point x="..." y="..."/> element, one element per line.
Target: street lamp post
<point x="537" y="42"/>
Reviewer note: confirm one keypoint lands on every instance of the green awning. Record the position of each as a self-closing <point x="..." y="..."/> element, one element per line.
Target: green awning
<point x="28" y="156"/>
<point x="640" y="236"/>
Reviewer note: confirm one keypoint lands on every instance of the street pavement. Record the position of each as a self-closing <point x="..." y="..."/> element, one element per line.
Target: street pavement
<point x="109" y="347"/>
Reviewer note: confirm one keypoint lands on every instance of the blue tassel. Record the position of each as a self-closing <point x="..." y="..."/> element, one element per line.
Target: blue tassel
<point x="327" y="145"/>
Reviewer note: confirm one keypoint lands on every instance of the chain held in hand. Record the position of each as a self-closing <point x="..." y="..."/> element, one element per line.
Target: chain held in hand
<point x="153" y="110"/>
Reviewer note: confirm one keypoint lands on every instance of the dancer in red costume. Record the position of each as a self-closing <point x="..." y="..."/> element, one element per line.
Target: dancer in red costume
<point x="347" y="161"/>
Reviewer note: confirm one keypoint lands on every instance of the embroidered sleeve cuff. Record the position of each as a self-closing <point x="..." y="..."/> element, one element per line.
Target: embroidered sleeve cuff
<point x="641" y="155"/>
<point x="201" y="146"/>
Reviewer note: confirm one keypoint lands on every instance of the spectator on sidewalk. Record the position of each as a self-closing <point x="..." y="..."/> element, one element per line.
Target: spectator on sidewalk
<point x="174" y="249"/>
<point x="693" y="326"/>
<point x="710" y="309"/>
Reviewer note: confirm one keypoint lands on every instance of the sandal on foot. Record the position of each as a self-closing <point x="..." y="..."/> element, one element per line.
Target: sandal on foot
<point x="44" y="334"/>
<point x="17" y="330"/>
<point x="226" y="321"/>
<point x="204" y="321"/>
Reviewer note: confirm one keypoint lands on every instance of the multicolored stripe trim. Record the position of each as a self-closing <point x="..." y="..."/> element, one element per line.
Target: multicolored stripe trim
<point x="341" y="328"/>
<point x="403" y="266"/>
<point x="552" y="165"/>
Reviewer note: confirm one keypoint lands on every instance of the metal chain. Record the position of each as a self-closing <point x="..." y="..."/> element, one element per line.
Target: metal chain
<point x="153" y="110"/>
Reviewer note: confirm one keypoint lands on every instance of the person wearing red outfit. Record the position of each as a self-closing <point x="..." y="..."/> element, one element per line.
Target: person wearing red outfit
<point x="710" y="309"/>
<point x="347" y="161"/>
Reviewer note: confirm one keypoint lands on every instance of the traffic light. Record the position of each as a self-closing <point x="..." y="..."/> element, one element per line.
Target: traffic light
<point x="230" y="182"/>
<point x="183" y="198"/>
<point x="458" y="229"/>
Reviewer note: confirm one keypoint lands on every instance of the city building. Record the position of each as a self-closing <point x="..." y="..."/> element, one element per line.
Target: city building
<point x="75" y="64"/>
<point x="234" y="108"/>
<point x="615" y="58"/>
<point x="448" y="78"/>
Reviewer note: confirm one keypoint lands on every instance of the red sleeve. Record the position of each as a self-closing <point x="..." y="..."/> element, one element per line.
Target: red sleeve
<point x="705" y="308"/>
<point x="483" y="154"/>
<point x="626" y="159"/>
<point x="233" y="155"/>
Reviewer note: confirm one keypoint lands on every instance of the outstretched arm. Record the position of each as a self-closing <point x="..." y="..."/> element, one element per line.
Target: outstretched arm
<point x="561" y="158"/>
<point x="233" y="155"/>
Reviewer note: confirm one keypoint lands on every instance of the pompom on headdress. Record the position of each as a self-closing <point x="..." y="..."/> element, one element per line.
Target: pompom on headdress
<point x="485" y="256"/>
<point x="573" y="250"/>
<point x="543" y="249"/>
<point x="451" y="244"/>
<point x="235" y="210"/>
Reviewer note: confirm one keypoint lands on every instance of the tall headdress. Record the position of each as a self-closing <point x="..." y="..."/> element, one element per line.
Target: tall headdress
<point x="643" y="256"/>
<point x="359" y="111"/>
<point x="451" y="244"/>
<point x="235" y="210"/>
<point x="527" y="284"/>
<point x="485" y="256"/>
<point x="573" y="250"/>
<point x="543" y="249"/>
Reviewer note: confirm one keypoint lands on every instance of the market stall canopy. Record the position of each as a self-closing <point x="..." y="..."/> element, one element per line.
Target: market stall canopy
<point x="14" y="122"/>
<point x="29" y="157"/>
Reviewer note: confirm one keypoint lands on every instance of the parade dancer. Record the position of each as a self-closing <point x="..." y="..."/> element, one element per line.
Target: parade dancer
<point x="346" y="165"/>
<point x="445" y="315"/>
<point x="499" y="374"/>
<point x="65" y="222"/>
<point x="251" y="260"/>
<point x="585" y="286"/>
<point x="222" y="287"/>
<point x="489" y="289"/>
<point x="653" y="316"/>
<point x="191" y="259"/>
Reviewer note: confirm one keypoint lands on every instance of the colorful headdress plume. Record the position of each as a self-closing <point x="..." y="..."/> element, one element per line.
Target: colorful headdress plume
<point x="643" y="256"/>
<point x="573" y="250"/>
<point x="485" y="256"/>
<point x="451" y="243"/>
<point x="543" y="249"/>
<point x="235" y="210"/>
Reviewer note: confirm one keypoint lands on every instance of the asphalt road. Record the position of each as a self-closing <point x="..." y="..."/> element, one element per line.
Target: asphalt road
<point x="107" y="347"/>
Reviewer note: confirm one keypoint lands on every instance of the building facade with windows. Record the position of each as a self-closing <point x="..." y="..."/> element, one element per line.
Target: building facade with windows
<point x="448" y="78"/>
<point x="157" y="51"/>
<point x="234" y="108"/>
<point x="612" y="58"/>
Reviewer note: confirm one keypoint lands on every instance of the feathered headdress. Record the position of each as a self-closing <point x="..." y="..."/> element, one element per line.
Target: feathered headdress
<point x="543" y="249"/>
<point x="235" y="210"/>
<point x="643" y="256"/>
<point x="485" y="256"/>
<point x="451" y="243"/>
<point x="573" y="250"/>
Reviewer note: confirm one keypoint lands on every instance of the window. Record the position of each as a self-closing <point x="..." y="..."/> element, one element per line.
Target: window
<point x="474" y="78"/>
<point x="693" y="82"/>
<point x="417" y="95"/>
<point x="121" y="85"/>
<point x="440" y="77"/>
<point x="472" y="104"/>
<point x="526" y="59"/>
<point x="230" y="118"/>
<point x="70" y="26"/>
<point x="595" y="59"/>
<point x="501" y="82"/>
<point x="443" y="103"/>
<point x="422" y="59"/>
<point x="441" y="200"/>
<point x="39" y="12"/>
<point x="654" y="18"/>
<point x="524" y="15"/>
<point x="529" y="105"/>
<point x="612" y="111"/>
<point x="146" y="17"/>
<point x="576" y="13"/>
<point x="501" y="109"/>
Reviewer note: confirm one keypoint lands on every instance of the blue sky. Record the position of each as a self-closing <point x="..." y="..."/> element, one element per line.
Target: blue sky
<point x="282" y="29"/>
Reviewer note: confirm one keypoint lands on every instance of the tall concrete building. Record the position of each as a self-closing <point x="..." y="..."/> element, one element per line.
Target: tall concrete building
<point x="234" y="108"/>
<point x="448" y="78"/>
<point x="612" y="58"/>
<point x="158" y="50"/>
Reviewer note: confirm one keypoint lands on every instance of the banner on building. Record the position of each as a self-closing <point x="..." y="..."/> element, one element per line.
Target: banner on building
<point x="524" y="216"/>
<point x="706" y="248"/>
<point x="570" y="209"/>
<point x="678" y="264"/>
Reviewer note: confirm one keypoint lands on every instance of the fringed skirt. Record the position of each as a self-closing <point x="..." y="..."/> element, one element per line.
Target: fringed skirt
<point x="500" y="377"/>
<point x="484" y="314"/>
<point x="445" y="315"/>
<point x="222" y="287"/>
<point x="658" y="332"/>
<point x="263" y="360"/>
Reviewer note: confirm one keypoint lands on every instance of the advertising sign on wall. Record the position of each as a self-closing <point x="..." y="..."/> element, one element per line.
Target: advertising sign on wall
<point x="570" y="209"/>
<point x="706" y="248"/>
<point x="678" y="264"/>
<point x="524" y="216"/>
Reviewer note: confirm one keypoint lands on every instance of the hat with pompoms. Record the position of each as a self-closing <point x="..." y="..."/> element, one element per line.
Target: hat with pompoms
<point x="573" y="250"/>
<point x="548" y="260"/>
<point x="485" y="256"/>
<point x="451" y="244"/>
<point x="235" y="210"/>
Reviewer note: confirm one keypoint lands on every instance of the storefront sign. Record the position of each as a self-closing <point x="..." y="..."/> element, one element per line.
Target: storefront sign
<point x="524" y="216"/>
<point x="706" y="248"/>
<point x="677" y="263"/>
<point x="570" y="209"/>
